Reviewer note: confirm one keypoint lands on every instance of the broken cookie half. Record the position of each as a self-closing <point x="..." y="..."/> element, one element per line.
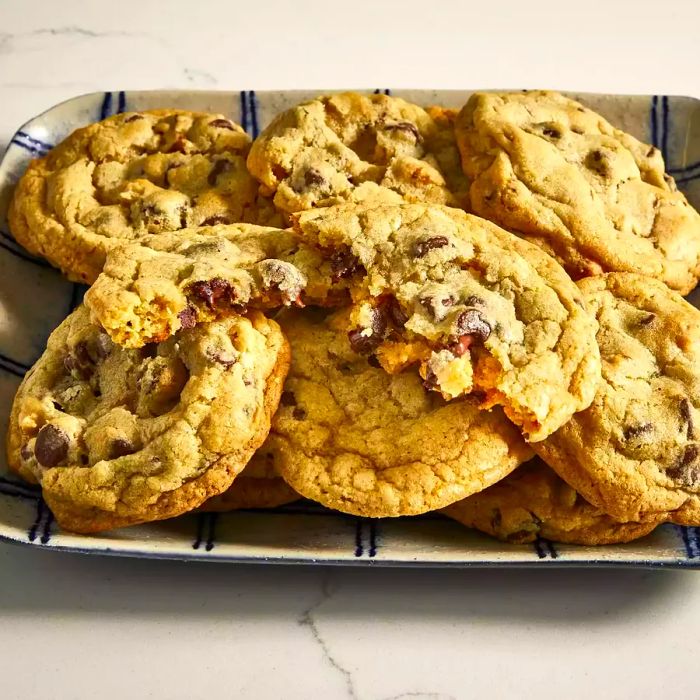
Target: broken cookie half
<point x="478" y="310"/>
<point x="149" y="291"/>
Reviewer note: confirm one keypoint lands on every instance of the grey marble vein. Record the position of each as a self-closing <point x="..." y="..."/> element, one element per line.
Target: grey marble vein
<point x="307" y="619"/>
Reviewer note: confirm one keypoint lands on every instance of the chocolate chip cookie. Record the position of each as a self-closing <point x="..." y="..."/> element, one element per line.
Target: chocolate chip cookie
<point x="134" y="175"/>
<point x="257" y="486"/>
<point x="545" y="167"/>
<point x="118" y="436"/>
<point x="534" y="502"/>
<point x="480" y="310"/>
<point x="361" y="441"/>
<point x="635" y="453"/>
<point x="352" y="147"/>
<point x="150" y="290"/>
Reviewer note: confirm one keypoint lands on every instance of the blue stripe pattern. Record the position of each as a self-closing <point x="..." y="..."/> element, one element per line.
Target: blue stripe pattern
<point x="691" y="540"/>
<point x="545" y="549"/>
<point x="249" y="113"/>
<point x="660" y="128"/>
<point x="206" y="522"/>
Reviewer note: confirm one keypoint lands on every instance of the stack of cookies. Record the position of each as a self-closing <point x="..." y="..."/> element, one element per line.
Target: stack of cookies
<point x="386" y="309"/>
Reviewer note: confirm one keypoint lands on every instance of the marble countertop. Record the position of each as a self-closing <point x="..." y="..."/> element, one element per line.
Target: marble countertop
<point x="79" y="627"/>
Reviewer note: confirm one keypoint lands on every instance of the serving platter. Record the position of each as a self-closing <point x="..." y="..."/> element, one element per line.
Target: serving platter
<point x="34" y="298"/>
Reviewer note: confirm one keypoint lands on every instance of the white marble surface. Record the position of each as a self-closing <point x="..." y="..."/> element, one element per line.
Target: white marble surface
<point x="77" y="627"/>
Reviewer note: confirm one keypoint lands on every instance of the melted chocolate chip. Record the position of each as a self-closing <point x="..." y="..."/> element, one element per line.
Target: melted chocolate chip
<point x="79" y="363"/>
<point x="423" y="247"/>
<point x="406" y="127"/>
<point x="685" y="409"/>
<point x="215" y="220"/>
<point x="222" y="124"/>
<point x="372" y="361"/>
<point x="211" y="291"/>
<point x="496" y="519"/>
<point x="188" y="317"/>
<point x="121" y="447"/>
<point x="57" y="405"/>
<point x="288" y="398"/>
<point x="220" y="166"/>
<point x="634" y="431"/>
<point x="652" y="150"/>
<point x="431" y="381"/>
<point x="51" y="446"/>
<point x="397" y="315"/>
<point x="299" y="413"/>
<point x="313" y="177"/>
<point x="25" y="452"/>
<point x="133" y="118"/>
<point x="647" y="320"/>
<point x="551" y="132"/>
<point x="472" y="322"/>
<point x="365" y="344"/>
<point x="344" y="264"/>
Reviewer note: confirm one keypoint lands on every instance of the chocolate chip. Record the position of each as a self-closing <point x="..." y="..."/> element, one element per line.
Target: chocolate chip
<point x="431" y="381"/>
<point x="120" y="448"/>
<point x="288" y="398"/>
<point x="57" y="405"/>
<point x="423" y="247"/>
<point x="212" y="290"/>
<point x="472" y="322"/>
<point x="687" y="416"/>
<point x="634" y="431"/>
<point x="51" y="446"/>
<point x="343" y="264"/>
<point x="25" y="452"/>
<point x="473" y="300"/>
<point x="647" y="320"/>
<point x="496" y="519"/>
<point x="215" y="220"/>
<point x="313" y="177"/>
<point x="220" y="166"/>
<point x="299" y="413"/>
<point x="551" y="132"/>
<point x="188" y="317"/>
<point x="222" y="358"/>
<point x="222" y="124"/>
<point x="79" y="363"/>
<point x="133" y="118"/>
<point x="372" y="361"/>
<point x="279" y="172"/>
<point x="407" y="127"/>
<point x="364" y="344"/>
<point x="685" y="469"/>
<point x="397" y="315"/>
<point x="595" y="161"/>
<point x="652" y="150"/>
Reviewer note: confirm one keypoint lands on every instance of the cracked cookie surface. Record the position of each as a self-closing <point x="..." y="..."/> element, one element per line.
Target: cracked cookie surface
<point x="534" y="502"/>
<point x="117" y="437"/>
<point x="558" y="174"/>
<point x="358" y="440"/>
<point x="353" y="147"/>
<point x="478" y="309"/>
<point x="635" y="452"/>
<point x="148" y="291"/>
<point x="134" y="175"/>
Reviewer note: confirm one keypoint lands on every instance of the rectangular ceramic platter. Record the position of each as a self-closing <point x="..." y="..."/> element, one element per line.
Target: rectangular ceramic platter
<point x="35" y="298"/>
